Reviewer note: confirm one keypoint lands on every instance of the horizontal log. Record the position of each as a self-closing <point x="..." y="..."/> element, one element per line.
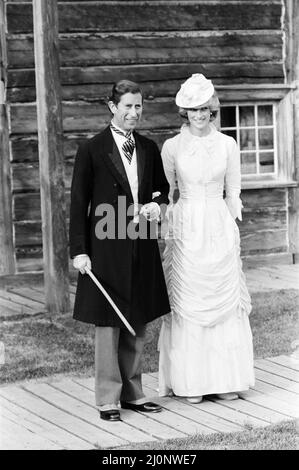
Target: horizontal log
<point x="233" y="72"/>
<point x="158" y="47"/>
<point x="25" y="177"/>
<point x="264" y="241"/>
<point x="28" y="234"/>
<point x="25" y="149"/>
<point x="94" y="117"/>
<point x="132" y="1"/>
<point x="27" y="207"/>
<point x="90" y="117"/>
<point x="152" y="16"/>
<point x="255" y="220"/>
<point x="264" y="198"/>
<point x="99" y="92"/>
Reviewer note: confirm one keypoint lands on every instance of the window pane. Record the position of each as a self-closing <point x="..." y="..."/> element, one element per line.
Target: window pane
<point x="247" y="139"/>
<point x="248" y="163"/>
<point x="266" y="138"/>
<point x="246" y="116"/>
<point x="231" y="133"/>
<point x="228" y="116"/>
<point x="266" y="162"/>
<point x="265" y="115"/>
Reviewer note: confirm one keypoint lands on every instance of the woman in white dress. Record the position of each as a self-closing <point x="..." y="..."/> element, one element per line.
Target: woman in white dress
<point x="205" y="342"/>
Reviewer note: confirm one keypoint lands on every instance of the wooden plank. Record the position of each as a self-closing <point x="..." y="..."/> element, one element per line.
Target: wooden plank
<point x="27" y="206"/>
<point x="229" y="72"/>
<point x="17" y="308"/>
<point x="31" y="293"/>
<point x="40" y="428"/>
<point x="251" y="416"/>
<point x="24" y="148"/>
<point x="26" y="176"/>
<point x="76" y="404"/>
<point x="82" y="49"/>
<point x="176" y="422"/>
<point x="92" y="117"/>
<point x="272" y="403"/>
<point x="20" y="300"/>
<point x="209" y="414"/>
<point x="276" y="392"/>
<point x="151" y="427"/>
<point x="19" y="438"/>
<point x="263" y="219"/>
<point x="200" y="414"/>
<point x="49" y="120"/>
<point x="91" y="426"/>
<point x="286" y="361"/>
<point x="252" y="409"/>
<point x="49" y="413"/>
<point x="264" y="241"/>
<point x="6" y="312"/>
<point x="152" y="16"/>
<point x="262" y="281"/>
<point x="280" y="382"/>
<point x="28" y="233"/>
<point x="26" y="264"/>
<point x="289" y="271"/>
<point x="99" y="91"/>
<point x="7" y="265"/>
<point x="264" y="198"/>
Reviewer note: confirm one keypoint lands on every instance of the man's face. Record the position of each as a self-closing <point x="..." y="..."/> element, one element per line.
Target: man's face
<point x="127" y="113"/>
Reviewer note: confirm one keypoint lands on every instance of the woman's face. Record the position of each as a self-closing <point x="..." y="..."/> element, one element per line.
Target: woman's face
<point x="199" y="117"/>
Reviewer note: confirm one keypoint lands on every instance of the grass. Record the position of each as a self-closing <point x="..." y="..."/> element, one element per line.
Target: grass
<point x="45" y="345"/>
<point x="282" y="436"/>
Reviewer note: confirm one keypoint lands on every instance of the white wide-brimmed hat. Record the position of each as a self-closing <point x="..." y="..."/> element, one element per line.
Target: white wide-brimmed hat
<point x="195" y="91"/>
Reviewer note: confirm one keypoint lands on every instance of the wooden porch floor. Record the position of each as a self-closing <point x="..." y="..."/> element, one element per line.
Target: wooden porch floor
<point x="60" y="413"/>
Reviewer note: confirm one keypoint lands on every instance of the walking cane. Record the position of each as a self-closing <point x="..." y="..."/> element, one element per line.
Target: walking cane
<point x="116" y="309"/>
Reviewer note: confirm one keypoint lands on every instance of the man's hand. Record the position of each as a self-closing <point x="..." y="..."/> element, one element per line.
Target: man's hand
<point x="80" y="261"/>
<point x="151" y="211"/>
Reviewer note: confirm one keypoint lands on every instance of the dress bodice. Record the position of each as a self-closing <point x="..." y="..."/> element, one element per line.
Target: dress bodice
<point x="203" y="167"/>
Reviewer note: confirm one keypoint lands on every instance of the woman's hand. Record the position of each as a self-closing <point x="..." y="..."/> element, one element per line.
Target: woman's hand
<point x="151" y="211"/>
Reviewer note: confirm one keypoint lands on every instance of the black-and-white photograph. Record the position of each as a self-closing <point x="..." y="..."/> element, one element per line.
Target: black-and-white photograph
<point x="149" y="228"/>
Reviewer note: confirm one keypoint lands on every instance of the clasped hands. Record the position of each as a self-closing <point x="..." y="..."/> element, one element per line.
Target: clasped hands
<point x="151" y="211"/>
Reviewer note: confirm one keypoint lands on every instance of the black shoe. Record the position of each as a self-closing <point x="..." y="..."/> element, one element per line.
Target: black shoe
<point x="110" y="415"/>
<point x="144" y="407"/>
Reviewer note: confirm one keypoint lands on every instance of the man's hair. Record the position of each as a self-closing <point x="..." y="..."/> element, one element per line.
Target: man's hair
<point x="121" y="88"/>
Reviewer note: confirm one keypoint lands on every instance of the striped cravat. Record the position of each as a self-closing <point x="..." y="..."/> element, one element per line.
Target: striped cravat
<point x="129" y="145"/>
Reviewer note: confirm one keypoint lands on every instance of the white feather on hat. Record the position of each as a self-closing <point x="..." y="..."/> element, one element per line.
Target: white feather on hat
<point x="195" y="91"/>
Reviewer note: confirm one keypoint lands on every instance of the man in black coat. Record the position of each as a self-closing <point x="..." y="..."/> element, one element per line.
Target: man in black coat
<point x="118" y="190"/>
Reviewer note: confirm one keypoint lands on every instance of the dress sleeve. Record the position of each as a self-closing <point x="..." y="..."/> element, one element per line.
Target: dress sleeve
<point x="168" y="160"/>
<point x="169" y="168"/>
<point x="233" y="181"/>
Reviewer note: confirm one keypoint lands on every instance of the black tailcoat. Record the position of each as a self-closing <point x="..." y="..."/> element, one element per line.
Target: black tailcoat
<point x="130" y="270"/>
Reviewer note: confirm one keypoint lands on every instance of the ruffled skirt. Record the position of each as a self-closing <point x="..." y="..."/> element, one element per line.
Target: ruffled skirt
<point x="205" y="344"/>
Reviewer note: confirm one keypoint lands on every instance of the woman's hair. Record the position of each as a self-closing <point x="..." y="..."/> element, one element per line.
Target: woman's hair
<point x="121" y="88"/>
<point x="213" y="104"/>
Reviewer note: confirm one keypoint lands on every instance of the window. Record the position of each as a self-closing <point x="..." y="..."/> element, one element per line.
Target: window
<point x="253" y="126"/>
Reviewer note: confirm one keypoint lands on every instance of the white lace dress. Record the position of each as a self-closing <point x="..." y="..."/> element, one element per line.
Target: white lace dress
<point x="205" y="342"/>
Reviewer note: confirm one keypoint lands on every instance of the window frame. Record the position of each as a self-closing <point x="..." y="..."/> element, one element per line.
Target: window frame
<point x="281" y="97"/>
<point x="256" y="127"/>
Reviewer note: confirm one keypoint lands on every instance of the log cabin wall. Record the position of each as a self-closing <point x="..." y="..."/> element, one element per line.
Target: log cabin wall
<point x="159" y="44"/>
